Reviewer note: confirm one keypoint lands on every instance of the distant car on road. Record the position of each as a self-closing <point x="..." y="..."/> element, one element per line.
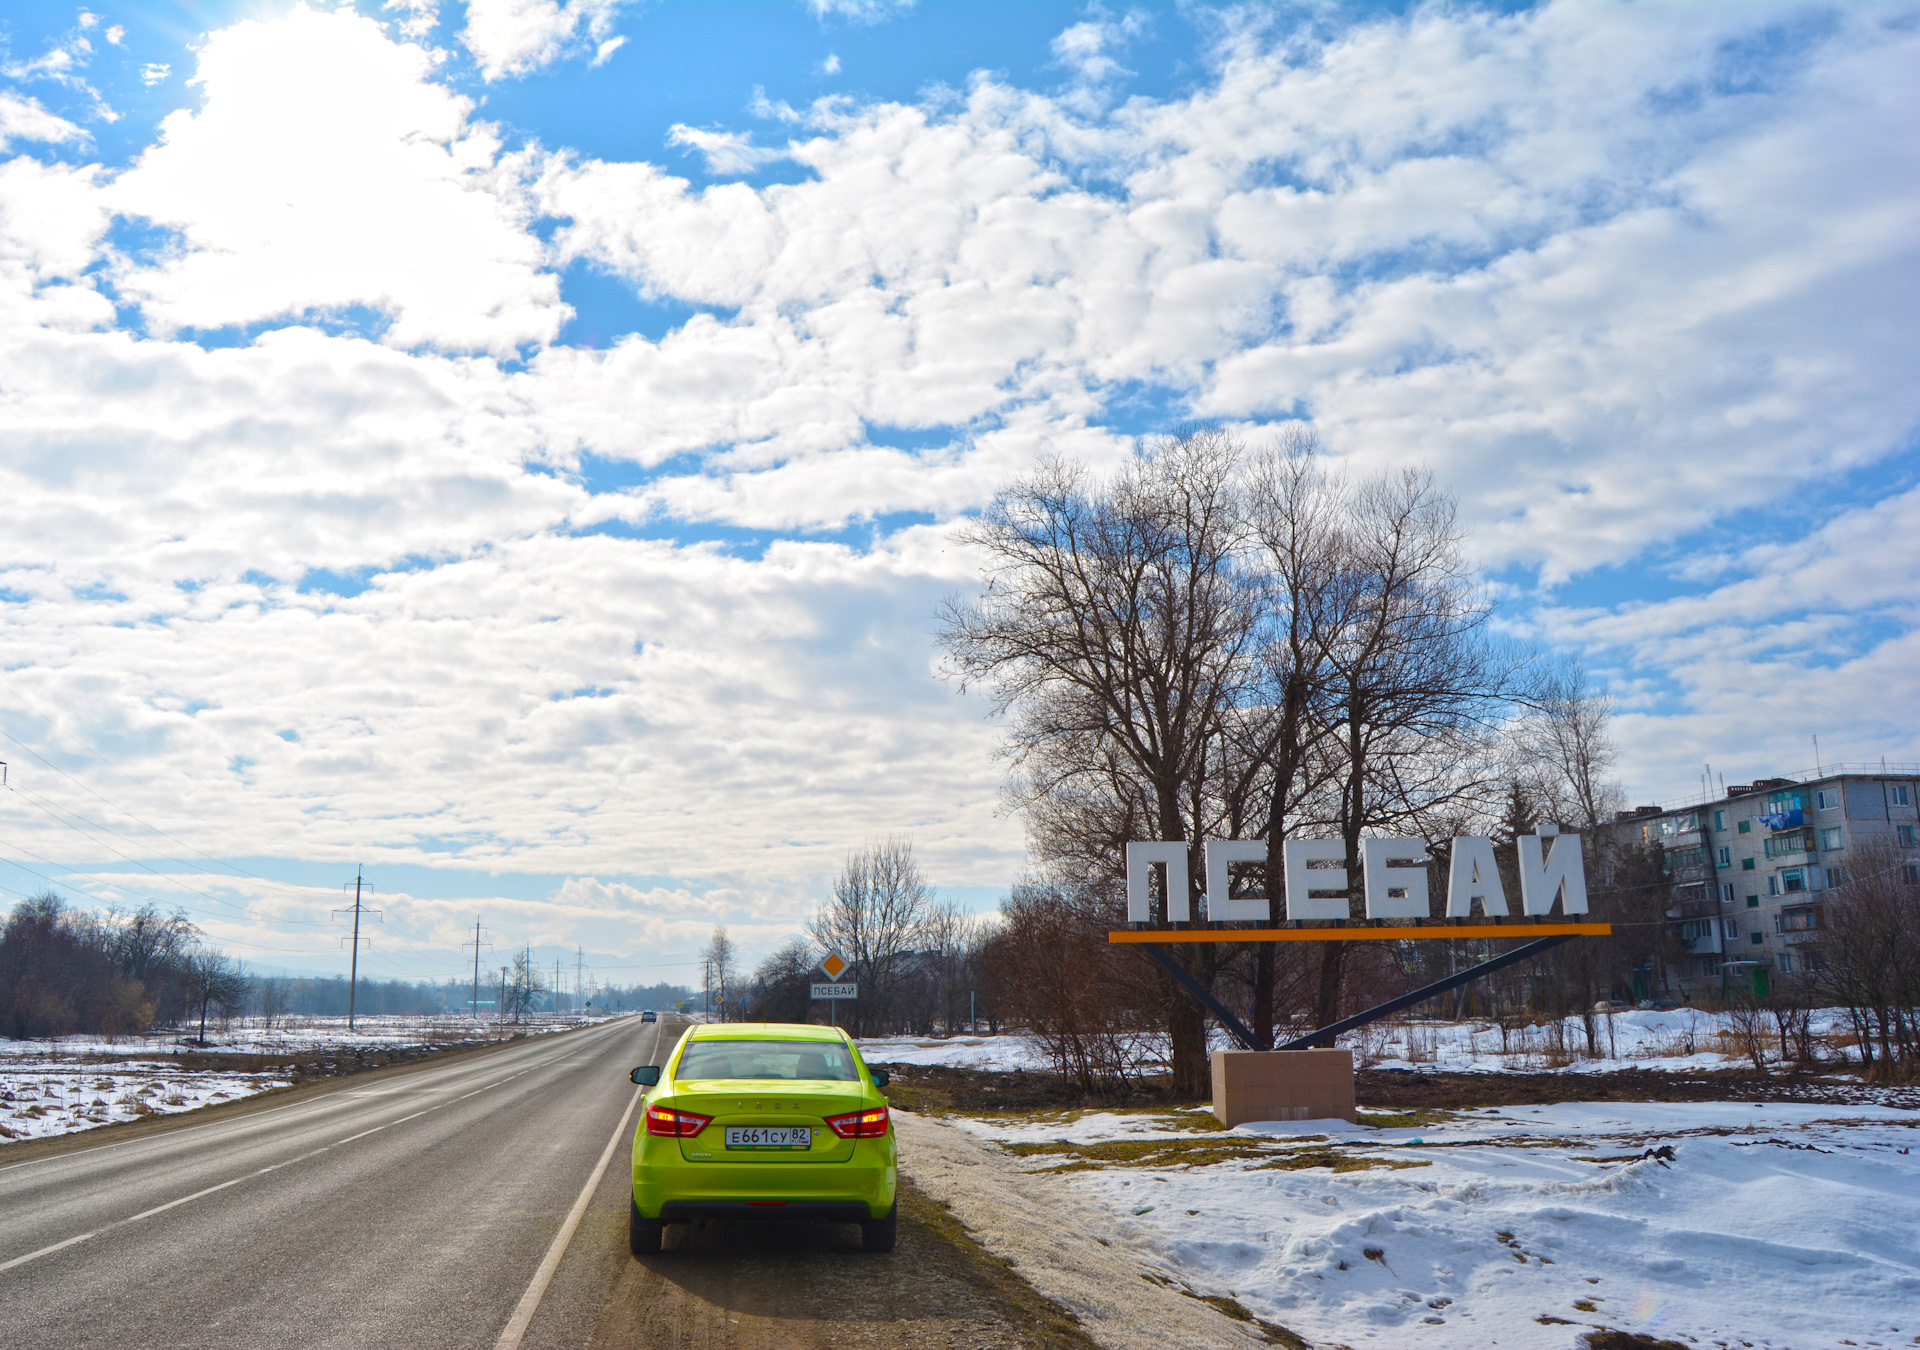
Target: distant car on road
<point x="648" y="1016"/>
<point x="764" y="1122"/>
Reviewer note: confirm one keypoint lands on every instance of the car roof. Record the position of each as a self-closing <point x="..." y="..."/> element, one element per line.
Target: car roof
<point x="766" y="1031"/>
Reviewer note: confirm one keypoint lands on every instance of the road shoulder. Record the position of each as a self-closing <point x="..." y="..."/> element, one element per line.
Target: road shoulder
<point x="1115" y="1287"/>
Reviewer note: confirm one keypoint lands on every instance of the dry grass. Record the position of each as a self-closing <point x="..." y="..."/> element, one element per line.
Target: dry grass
<point x="1190" y="1153"/>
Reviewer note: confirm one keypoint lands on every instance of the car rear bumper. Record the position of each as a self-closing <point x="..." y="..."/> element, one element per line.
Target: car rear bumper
<point x="666" y="1185"/>
<point x="764" y="1211"/>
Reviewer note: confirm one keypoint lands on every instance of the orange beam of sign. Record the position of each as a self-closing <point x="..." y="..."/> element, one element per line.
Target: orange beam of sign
<point x="1465" y="930"/>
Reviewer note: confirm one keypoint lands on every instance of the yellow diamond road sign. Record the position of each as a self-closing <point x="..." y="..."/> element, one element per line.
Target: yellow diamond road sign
<point x="833" y="964"/>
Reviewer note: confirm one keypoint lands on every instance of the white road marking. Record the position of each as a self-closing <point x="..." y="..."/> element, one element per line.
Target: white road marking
<point x="44" y="1251"/>
<point x="529" y="1304"/>
<point x="573" y="1219"/>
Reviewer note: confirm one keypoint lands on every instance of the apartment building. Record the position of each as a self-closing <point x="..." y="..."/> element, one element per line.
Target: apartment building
<point x="1750" y="871"/>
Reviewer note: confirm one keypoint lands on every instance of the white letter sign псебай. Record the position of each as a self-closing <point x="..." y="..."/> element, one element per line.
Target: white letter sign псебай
<point x="1560" y="872"/>
<point x="1474" y="875"/>
<point x="1303" y="881"/>
<point x="1140" y="860"/>
<point x="1383" y="879"/>
<point x="1221" y="905"/>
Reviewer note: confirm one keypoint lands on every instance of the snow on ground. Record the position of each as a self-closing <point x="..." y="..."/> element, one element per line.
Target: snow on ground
<point x="1682" y="1040"/>
<point x="993" y="1053"/>
<point x="47" y="1096"/>
<point x="1772" y="1225"/>
<point x="70" y="1083"/>
<point x="297" y="1035"/>
<point x="1686" y="1040"/>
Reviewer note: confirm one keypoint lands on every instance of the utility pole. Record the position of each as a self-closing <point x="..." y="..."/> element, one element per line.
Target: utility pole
<point x="353" y="977"/>
<point x="579" y="988"/>
<point x="475" y="1009"/>
<point x="500" y="1008"/>
<point x="556" y="985"/>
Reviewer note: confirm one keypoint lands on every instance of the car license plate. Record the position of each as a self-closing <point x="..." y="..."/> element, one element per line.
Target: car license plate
<point x="769" y="1136"/>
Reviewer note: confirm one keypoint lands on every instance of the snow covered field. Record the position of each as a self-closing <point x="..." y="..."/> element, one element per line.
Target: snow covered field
<point x="1683" y="1041"/>
<point x="1717" y="1223"/>
<point x="296" y="1035"/>
<point x="71" y="1083"/>
<point x="46" y="1096"/>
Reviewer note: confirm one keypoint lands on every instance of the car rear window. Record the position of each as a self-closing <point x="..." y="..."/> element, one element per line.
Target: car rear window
<point x="801" y="1060"/>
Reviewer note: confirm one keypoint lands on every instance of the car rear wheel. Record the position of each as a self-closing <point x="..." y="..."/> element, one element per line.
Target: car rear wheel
<point x="879" y="1235"/>
<point x="644" y="1234"/>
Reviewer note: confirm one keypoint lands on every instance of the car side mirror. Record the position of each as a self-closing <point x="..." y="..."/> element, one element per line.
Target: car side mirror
<point x="881" y="1077"/>
<point x="646" y="1075"/>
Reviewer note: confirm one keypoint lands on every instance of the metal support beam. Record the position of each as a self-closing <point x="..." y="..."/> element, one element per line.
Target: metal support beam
<point x="1233" y="1026"/>
<point x="1325" y="1035"/>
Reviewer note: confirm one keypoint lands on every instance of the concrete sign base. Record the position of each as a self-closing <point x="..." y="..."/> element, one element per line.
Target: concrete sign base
<point x="1282" y="1085"/>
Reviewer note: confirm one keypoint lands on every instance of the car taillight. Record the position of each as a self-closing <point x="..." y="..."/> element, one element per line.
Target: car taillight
<point x="860" y="1124"/>
<point x="664" y="1120"/>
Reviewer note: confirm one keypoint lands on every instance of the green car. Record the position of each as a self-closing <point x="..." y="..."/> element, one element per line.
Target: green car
<point x="764" y="1123"/>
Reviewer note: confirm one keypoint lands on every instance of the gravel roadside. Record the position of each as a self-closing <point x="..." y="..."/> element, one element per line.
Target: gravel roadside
<point x="1124" y="1295"/>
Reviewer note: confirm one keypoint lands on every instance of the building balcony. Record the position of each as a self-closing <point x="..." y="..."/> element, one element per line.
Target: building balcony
<point x="1794" y="937"/>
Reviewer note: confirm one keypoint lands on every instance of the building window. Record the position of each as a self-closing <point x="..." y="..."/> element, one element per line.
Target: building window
<point x="1726" y="893"/>
<point x="1786" y="963"/>
<point x="1746" y="827"/>
<point x="1773" y="883"/>
<point x="1830" y="837"/>
<point x="1753" y="902"/>
<point x="1906" y="835"/>
<point x="1719" y="820"/>
<point x="1794" y="879"/>
<point x="1759" y="939"/>
<point x="1729" y="928"/>
<point x="1900" y="795"/>
<point x="1786" y="801"/>
<point x="1726" y="856"/>
<point x="1913" y="874"/>
<point x="1779" y="844"/>
<point x="1827" y="799"/>
<point x="1836" y="875"/>
<point x="1746" y="864"/>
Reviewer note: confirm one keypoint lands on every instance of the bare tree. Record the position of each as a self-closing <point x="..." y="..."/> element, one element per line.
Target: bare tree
<point x="873" y="920"/>
<point x="782" y="984"/>
<point x="1566" y="749"/>
<point x="719" y="956"/>
<point x="1112" y="632"/>
<point x="1417" y="689"/>
<point x="270" y="996"/>
<point x="1867" y="956"/>
<point x="215" y="980"/>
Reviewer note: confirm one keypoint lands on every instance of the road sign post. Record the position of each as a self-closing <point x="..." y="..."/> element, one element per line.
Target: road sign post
<point x="834" y="965"/>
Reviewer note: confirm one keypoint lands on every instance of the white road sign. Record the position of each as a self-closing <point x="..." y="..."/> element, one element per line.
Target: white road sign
<point x="836" y="991"/>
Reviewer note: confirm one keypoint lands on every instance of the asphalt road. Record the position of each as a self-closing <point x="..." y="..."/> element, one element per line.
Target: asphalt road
<point x="450" y="1206"/>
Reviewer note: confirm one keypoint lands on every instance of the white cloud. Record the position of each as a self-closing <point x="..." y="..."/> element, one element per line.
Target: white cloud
<point x="153" y="72"/>
<point x="1090" y="48"/>
<point x="1819" y="636"/>
<point x="727" y="152"/>
<point x="24" y="119"/>
<point x="420" y="17"/>
<point x="830" y="66"/>
<point x="859" y="11"/>
<point x="1613" y="292"/>
<point x="292" y="200"/>
<point x="516" y="37"/>
<point x="604" y="52"/>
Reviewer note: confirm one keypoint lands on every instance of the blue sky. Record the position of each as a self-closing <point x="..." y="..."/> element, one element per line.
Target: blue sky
<point x="515" y="445"/>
